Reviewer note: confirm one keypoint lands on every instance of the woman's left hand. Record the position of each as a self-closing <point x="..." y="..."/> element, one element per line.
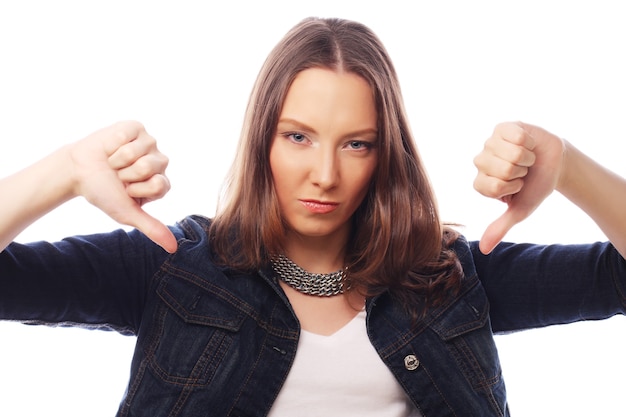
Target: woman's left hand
<point x="520" y="164"/>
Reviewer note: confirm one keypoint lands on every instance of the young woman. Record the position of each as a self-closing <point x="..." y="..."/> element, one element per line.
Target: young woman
<point x="326" y="284"/>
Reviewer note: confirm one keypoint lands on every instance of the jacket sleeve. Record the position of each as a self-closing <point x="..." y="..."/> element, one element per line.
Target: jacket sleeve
<point x="532" y="286"/>
<point x="96" y="281"/>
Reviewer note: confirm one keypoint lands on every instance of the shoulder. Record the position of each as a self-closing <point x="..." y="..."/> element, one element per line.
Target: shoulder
<point x="192" y="232"/>
<point x="464" y="251"/>
<point x="196" y="247"/>
<point x="193" y="271"/>
<point x="193" y="227"/>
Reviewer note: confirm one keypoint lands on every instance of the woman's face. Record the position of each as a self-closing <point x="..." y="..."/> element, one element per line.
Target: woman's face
<point x="324" y="152"/>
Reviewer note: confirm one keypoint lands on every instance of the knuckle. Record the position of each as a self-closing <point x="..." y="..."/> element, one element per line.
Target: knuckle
<point x="142" y="168"/>
<point x="161" y="161"/>
<point x="476" y="160"/>
<point x="500" y="126"/>
<point x="125" y="154"/>
<point x="495" y="189"/>
<point x="131" y="125"/>
<point x="517" y="154"/>
<point x="149" y="141"/>
<point x="157" y="186"/>
<point x="162" y="185"/>
<point x="508" y="171"/>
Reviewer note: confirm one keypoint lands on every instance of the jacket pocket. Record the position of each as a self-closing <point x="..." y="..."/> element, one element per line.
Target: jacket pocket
<point x="465" y="329"/>
<point x="194" y="329"/>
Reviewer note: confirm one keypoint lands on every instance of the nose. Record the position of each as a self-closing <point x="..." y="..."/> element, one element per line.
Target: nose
<point x="325" y="168"/>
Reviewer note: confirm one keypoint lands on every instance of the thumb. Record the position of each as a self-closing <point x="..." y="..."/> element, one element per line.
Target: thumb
<point x="496" y="231"/>
<point x="152" y="228"/>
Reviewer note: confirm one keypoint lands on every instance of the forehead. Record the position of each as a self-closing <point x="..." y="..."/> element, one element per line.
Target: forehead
<point x="326" y="97"/>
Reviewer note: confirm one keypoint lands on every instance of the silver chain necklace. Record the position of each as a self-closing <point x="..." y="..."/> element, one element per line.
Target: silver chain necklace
<point x="323" y="285"/>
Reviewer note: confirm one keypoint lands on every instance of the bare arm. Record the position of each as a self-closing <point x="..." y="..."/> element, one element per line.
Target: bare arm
<point x="598" y="191"/>
<point x="117" y="169"/>
<point x="522" y="164"/>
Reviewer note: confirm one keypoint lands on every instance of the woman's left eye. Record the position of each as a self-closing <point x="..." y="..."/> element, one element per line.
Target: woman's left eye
<point x="358" y="145"/>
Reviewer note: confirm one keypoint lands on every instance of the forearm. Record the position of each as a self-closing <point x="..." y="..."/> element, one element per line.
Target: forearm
<point x="32" y="192"/>
<point x="93" y="280"/>
<point x="598" y="191"/>
<point x="530" y="286"/>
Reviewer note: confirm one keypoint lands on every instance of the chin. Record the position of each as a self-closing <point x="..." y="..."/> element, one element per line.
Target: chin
<point x="317" y="232"/>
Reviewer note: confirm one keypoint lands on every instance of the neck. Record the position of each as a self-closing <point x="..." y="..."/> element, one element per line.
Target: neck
<point x="316" y="255"/>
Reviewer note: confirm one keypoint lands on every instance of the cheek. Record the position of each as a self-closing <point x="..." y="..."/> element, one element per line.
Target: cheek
<point x="273" y="158"/>
<point x="279" y="161"/>
<point x="362" y="183"/>
<point x="276" y="167"/>
<point x="283" y="174"/>
<point x="367" y="175"/>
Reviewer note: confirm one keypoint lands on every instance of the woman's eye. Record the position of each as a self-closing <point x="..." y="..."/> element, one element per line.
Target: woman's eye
<point x="358" y="145"/>
<point x="296" y="137"/>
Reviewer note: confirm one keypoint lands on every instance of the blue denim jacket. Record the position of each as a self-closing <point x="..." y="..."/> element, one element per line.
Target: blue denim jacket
<point x="216" y="342"/>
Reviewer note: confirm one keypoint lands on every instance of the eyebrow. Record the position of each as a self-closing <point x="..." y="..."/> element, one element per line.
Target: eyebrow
<point x="307" y="128"/>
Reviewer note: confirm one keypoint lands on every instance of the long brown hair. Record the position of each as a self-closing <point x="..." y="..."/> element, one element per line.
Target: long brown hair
<point x="398" y="242"/>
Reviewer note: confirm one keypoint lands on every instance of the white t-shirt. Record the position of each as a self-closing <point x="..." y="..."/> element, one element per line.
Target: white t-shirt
<point x="341" y="375"/>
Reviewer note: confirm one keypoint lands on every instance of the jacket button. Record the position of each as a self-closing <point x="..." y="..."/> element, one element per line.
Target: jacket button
<point x="411" y="362"/>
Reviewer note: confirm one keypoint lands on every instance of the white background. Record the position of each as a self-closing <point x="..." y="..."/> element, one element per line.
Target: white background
<point x="185" y="69"/>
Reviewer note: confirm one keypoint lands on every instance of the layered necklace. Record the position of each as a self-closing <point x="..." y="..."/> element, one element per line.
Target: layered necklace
<point x="323" y="285"/>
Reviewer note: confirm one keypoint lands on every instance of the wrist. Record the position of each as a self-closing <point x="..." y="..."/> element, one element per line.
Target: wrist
<point x="66" y="173"/>
<point x="566" y="174"/>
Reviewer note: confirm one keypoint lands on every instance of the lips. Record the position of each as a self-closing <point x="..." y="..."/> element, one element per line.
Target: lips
<point x="319" y="207"/>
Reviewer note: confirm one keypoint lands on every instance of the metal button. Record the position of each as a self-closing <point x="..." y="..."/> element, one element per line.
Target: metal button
<point x="411" y="362"/>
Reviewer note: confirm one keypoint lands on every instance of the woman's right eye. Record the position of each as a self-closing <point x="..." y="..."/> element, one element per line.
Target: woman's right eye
<point x="296" y="137"/>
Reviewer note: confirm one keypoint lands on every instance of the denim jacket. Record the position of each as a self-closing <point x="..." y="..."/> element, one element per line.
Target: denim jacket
<point x="213" y="341"/>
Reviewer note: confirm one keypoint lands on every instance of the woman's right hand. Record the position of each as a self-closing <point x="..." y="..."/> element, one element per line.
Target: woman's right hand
<point x="117" y="169"/>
